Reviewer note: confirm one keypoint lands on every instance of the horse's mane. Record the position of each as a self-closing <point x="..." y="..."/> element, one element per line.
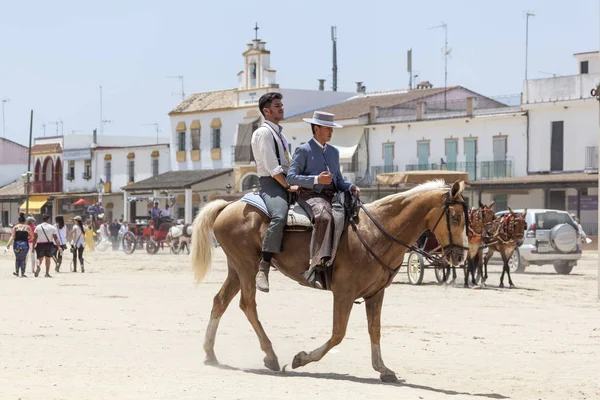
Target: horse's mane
<point x="437" y="184"/>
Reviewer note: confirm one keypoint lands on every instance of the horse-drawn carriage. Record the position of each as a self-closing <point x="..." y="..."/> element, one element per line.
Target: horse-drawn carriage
<point x="148" y="232"/>
<point x="428" y="255"/>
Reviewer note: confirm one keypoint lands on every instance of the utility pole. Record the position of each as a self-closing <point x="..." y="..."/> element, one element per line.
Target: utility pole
<point x="44" y="129"/>
<point x="180" y="77"/>
<point x="335" y="69"/>
<point x="4" y="101"/>
<point x="28" y="165"/>
<point x="409" y="68"/>
<point x="444" y="26"/>
<point x="529" y="14"/>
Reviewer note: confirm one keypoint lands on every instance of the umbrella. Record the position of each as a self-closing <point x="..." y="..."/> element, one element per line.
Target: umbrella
<point x="80" y="202"/>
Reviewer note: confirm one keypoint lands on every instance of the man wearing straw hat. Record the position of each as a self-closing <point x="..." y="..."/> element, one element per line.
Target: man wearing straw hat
<point x="315" y="168"/>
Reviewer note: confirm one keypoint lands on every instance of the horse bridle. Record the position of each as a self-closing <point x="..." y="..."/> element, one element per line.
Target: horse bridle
<point x="434" y="259"/>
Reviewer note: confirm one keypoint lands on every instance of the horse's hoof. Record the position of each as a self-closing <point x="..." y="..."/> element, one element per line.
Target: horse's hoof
<point x="298" y="360"/>
<point x="501" y="286"/>
<point x="211" y="361"/>
<point x="389" y="378"/>
<point x="273" y="365"/>
<point x="476" y="287"/>
<point x="512" y="287"/>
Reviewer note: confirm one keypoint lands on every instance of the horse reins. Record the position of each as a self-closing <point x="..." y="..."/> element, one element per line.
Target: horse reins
<point x="432" y="258"/>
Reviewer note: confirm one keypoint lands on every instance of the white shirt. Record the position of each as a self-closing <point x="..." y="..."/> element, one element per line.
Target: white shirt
<point x="48" y="229"/>
<point x="61" y="233"/>
<point x="166" y="212"/>
<point x="263" y="148"/>
<point x="124" y="228"/>
<point x="79" y="236"/>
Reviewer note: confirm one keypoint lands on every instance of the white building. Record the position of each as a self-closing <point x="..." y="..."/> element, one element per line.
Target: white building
<point x="562" y="157"/>
<point x="212" y="130"/>
<point x="97" y="167"/>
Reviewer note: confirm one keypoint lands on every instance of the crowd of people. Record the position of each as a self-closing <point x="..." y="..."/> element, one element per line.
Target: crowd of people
<point x="40" y="244"/>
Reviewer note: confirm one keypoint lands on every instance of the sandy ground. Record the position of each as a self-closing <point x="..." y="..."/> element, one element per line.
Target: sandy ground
<point x="132" y="327"/>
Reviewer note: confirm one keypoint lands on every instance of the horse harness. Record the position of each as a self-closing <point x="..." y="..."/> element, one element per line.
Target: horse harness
<point x="507" y="229"/>
<point x="433" y="259"/>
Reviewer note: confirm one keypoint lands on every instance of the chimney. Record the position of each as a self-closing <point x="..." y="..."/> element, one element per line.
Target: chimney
<point x="359" y="87"/>
<point x="471" y="105"/>
<point x="321" y="85"/>
<point x="421" y="109"/>
<point x="373" y="114"/>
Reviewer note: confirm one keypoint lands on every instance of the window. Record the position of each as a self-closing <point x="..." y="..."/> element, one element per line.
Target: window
<point x="107" y="172"/>
<point x="154" y="167"/>
<point x="216" y="138"/>
<point x="4" y="218"/>
<point x="501" y="202"/>
<point x="556" y="146"/>
<point x="87" y="169"/>
<point x="71" y="170"/>
<point x="131" y="170"/>
<point x="584" y="67"/>
<point x="180" y="213"/>
<point x="195" y="139"/>
<point x="181" y="138"/>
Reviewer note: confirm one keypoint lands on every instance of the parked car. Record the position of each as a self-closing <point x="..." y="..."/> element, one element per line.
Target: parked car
<point x="552" y="237"/>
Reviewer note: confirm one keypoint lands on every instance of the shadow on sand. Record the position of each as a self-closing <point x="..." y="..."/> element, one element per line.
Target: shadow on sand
<point x="349" y="378"/>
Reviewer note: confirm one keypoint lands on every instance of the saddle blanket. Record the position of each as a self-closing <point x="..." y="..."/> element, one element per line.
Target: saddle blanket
<point x="296" y="215"/>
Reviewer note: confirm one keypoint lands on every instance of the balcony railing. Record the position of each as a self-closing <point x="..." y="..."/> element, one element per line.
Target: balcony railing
<point x="478" y="171"/>
<point x="560" y="88"/>
<point x="86" y="175"/>
<point x="46" y="187"/>
<point x="591" y="159"/>
<point x="243" y="154"/>
<point x="380" y="169"/>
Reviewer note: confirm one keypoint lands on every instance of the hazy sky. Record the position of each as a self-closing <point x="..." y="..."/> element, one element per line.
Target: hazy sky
<point x="55" y="54"/>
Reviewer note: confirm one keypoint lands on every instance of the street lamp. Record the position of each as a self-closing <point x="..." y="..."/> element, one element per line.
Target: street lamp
<point x="100" y="190"/>
<point x="228" y="188"/>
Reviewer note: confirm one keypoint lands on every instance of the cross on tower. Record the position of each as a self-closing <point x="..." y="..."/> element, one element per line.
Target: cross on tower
<point x="256" y="31"/>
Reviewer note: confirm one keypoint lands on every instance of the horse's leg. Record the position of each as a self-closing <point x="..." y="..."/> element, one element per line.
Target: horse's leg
<point x="504" y="268"/>
<point x="474" y="269"/>
<point x="479" y="258"/>
<point x="248" y="305"/>
<point x="489" y="255"/>
<point x="510" y="282"/>
<point x="341" y="313"/>
<point x="373" y="306"/>
<point x="453" y="274"/>
<point x="230" y="288"/>
<point x="467" y="268"/>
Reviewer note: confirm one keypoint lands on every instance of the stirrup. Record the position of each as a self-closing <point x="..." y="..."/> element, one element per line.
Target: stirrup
<point x="315" y="277"/>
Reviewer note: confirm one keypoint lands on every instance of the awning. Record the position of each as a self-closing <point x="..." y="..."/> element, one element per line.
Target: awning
<point x="35" y="204"/>
<point x="215" y="123"/>
<point x="416" y="177"/>
<point x="243" y="150"/>
<point x="195" y="124"/>
<point x="346" y="153"/>
<point x="180" y="126"/>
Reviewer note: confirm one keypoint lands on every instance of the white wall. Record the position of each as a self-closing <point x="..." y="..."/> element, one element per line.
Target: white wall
<point x="406" y="135"/>
<point x="11" y="172"/>
<point x="580" y="131"/>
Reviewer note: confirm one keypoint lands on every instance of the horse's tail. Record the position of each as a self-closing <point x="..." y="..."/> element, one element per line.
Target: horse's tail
<point x="201" y="256"/>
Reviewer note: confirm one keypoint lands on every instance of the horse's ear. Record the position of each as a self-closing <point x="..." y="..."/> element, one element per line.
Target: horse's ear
<point x="481" y="204"/>
<point x="457" y="188"/>
<point x="524" y="213"/>
<point x="511" y="211"/>
<point x="492" y="204"/>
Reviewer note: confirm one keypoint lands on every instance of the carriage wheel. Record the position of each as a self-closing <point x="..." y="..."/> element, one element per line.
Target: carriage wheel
<point x="415" y="268"/>
<point x="129" y="242"/>
<point x="151" y="246"/>
<point x="439" y="274"/>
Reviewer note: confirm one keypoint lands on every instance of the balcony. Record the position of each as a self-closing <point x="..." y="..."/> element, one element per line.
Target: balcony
<point x="560" y="88"/>
<point x="86" y="175"/>
<point x="591" y="159"/>
<point x="242" y="154"/>
<point x="478" y="171"/>
<point x="46" y="187"/>
<point x="70" y="177"/>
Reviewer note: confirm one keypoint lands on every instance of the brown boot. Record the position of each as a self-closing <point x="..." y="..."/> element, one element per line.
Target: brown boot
<point x="262" y="278"/>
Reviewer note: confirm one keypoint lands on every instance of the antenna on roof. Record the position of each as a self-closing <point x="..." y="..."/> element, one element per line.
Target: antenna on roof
<point x="409" y="67"/>
<point x="334" y="40"/>
<point x="180" y="77"/>
<point x="446" y="51"/>
<point x="155" y="124"/>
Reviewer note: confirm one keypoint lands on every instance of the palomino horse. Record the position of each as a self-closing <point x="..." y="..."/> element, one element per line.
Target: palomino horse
<point x="509" y="235"/>
<point x="358" y="271"/>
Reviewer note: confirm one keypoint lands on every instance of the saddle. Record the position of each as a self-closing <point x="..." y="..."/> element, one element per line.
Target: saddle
<point x="299" y="216"/>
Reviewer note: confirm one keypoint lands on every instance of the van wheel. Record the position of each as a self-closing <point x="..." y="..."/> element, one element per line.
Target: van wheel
<point x="515" y="265"/>
<point x="563" y="267"/>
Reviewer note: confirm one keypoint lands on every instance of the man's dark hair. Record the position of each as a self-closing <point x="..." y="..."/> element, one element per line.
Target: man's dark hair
<point x="45" y="217"/>
<point x="266" y="100"/>
<point x="312" y="128"/>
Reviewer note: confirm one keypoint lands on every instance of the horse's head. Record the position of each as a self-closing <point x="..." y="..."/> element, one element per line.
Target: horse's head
<point x="516" y="226"/>
<point x="450" y="226"/>
<point x="487" y="217"/>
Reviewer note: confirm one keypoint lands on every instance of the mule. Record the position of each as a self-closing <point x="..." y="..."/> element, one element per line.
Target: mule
<point x="509" y="235"/>
<point x="481" y="228"/>
<point x="359" y="271"/>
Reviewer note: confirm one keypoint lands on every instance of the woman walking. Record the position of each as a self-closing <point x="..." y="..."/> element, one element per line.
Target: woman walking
<point x="21" y="234"/>
<point x="90" y="242"/>
<point x="32" y="256"/>
<point x="77" y="243"/>
<point x="61" y="230"/>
